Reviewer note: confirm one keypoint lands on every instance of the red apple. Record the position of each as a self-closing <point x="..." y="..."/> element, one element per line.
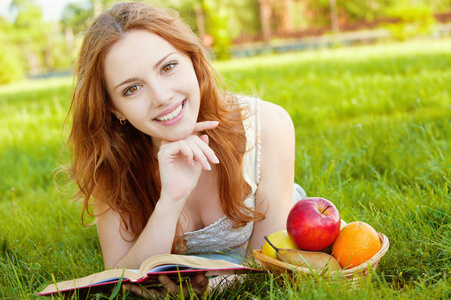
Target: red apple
<point x="313" y="223"/>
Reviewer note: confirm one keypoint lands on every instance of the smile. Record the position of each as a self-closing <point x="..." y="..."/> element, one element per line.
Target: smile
<point x="172" y="114"/>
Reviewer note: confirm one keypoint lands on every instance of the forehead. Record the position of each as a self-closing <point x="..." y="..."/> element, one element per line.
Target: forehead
<point x="135" y="41"/>
<point x="136" y="51"/>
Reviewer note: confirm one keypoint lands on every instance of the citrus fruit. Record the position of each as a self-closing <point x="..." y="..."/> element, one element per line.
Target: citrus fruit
<point x="356" y="244"/>
<point x="281" y="240"/>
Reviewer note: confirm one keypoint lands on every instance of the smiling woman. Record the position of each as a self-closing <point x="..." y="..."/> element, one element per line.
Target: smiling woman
<point x="172" y="162"/>
<point x="163" y="75"/>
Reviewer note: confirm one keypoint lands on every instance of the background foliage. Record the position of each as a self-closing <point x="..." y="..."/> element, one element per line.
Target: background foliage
<point x="36" y="46"/>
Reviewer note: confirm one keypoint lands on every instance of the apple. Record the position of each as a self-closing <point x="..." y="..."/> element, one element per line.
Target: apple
<point x="313" y="223"/>
<point x="281" y="240"/>
<point x="328" y="249"/>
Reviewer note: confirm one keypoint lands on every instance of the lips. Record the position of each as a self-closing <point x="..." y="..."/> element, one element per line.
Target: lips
<point x="170" y="113"/>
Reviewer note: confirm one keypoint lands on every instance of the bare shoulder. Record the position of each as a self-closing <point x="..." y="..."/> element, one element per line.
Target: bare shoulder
<point x="277" y="140"/>
<point x="275" y="122"/>
<point x="274" y="195"/>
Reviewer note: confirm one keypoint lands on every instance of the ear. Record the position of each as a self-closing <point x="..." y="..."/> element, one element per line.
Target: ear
<point x="118" y="115"/>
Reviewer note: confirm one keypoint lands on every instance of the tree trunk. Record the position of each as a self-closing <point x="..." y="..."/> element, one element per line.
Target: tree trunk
<point x="200" y="20"/>
<point x="48" y="55"/>
<point x="265" y="20"/>
<point x="33" y="63"/>
<point x="334" y="16"/>
<point x="286" y="21"/>
<point x="69" y="37"/>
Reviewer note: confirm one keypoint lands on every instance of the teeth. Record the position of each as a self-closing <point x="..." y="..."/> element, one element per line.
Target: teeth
<point x="172" y="114"/>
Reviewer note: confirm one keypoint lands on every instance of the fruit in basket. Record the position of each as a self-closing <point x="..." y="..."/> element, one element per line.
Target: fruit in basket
<point x="307" y="259"/>
<point x="281" y="240"/>
<point x="313" y="223"/>
<point x="328" y="249"/>
<point x="357" y="243"/>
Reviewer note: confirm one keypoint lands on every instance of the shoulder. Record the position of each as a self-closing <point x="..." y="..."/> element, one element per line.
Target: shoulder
<point x="275" y="123"/>
<point x="274" y="195"/>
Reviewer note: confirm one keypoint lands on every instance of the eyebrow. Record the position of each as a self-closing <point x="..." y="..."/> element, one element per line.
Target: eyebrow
<point x="137" y="78"/>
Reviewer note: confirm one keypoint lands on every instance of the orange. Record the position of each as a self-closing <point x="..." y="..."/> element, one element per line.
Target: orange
<point x="356" y="244"/>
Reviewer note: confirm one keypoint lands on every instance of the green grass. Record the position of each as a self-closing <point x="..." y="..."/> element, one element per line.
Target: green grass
<point x="373" y="136"/>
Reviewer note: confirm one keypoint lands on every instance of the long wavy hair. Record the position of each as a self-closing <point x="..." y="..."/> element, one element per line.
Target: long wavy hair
<point x="111" y="162"/>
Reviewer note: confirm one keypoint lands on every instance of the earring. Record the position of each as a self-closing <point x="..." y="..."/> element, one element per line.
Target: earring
<point x="122" y="121"/>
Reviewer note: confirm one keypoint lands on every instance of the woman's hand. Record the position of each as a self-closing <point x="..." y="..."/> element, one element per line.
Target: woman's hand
<point x="181" y="162"/>
<point x="198" y="285"/>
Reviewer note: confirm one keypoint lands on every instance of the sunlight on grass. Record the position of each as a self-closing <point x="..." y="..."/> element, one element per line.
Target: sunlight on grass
<point x="373" y="136"/>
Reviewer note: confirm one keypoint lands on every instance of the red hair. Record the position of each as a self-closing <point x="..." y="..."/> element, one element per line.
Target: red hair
<point x="111" y="162"/>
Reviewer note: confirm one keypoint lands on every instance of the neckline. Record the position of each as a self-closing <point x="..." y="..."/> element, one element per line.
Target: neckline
<point x="206" y="227"/>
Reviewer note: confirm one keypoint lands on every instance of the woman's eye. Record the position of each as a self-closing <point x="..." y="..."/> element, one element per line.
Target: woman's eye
<point x="168" y="67"/>
<point x="131" y="90"/>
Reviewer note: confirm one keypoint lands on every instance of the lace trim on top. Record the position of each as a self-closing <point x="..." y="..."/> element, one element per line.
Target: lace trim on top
<point x="222" y="236"/>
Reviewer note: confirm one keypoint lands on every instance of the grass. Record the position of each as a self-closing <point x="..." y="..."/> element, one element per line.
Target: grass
<point x="373" y="136"/>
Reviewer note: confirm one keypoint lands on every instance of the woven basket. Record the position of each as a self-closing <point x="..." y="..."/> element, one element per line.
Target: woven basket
<point x="354" y="274"/>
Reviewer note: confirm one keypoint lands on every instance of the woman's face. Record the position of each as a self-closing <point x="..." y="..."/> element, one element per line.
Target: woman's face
<point x="153" y="86"/>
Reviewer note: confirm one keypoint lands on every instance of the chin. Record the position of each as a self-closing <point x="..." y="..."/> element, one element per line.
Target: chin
<point x="185" y="132"/>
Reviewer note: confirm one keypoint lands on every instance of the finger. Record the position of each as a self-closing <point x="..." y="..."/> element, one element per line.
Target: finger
<point x="197" y="149"/>
<point x="201" y="126"/>
<point x="199" y="283"/>
<point x="193" y="148"/>
<point x="206" y="149"/>
<point x="186" y="151"/>
<point x="168" y="284"/>
<point x="205" y="139"/>
<point x="174" y="150"/>
<point x="202" y="152"/>
<point x="141" y="291"/>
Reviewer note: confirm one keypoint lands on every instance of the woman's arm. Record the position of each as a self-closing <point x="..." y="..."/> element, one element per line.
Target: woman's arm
<point x="180" y="164"/>
<point x="275" y="191"/>
<point x="156" y="238"/>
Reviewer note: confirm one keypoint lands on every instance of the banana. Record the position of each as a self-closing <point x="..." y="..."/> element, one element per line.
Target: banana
<point x="307" y="259"/>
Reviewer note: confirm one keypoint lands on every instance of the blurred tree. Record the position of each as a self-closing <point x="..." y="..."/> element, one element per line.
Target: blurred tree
<point x="265" y="19"/>
<point x="214" y="21"/>
<point x="216" y="26"/>
<point x="334" y="16"/>
<point x="413" y="20"/>
<point x="11" y="67"/>
<point x="283" y="15"/>
<point x="30" y="36"/>
<point x="75" y="16"/>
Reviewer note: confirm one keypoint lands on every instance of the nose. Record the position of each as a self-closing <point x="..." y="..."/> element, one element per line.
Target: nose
<point x="160" y="93"/>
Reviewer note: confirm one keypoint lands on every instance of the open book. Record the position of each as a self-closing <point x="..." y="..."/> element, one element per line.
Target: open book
<point x="175" y="266"/>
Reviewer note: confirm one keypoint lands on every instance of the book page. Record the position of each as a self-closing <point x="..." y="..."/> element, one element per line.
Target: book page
<point x="194" y="262"/>
<point x="96" y="278"/>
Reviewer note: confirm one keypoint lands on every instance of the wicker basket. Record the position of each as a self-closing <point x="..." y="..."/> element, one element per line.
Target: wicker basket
<point x="354" y="274"/>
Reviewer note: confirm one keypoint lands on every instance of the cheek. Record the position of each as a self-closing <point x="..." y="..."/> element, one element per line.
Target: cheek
<point x="131" y="110"/>
<point x="136" y="113"/>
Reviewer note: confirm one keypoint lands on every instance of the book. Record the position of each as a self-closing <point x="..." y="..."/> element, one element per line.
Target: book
<point x="174" y="266"/>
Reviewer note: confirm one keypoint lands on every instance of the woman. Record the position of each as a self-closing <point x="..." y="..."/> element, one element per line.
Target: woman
<point x="172" y="163"/>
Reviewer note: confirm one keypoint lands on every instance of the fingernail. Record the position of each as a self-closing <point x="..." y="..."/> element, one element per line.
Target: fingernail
<point x="214" y="122"/>
<point x="216" y="159"/>
<point x="208" y="166"/>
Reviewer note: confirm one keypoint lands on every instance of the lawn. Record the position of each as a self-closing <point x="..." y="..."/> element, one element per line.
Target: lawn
<point x="373" y="136"/>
